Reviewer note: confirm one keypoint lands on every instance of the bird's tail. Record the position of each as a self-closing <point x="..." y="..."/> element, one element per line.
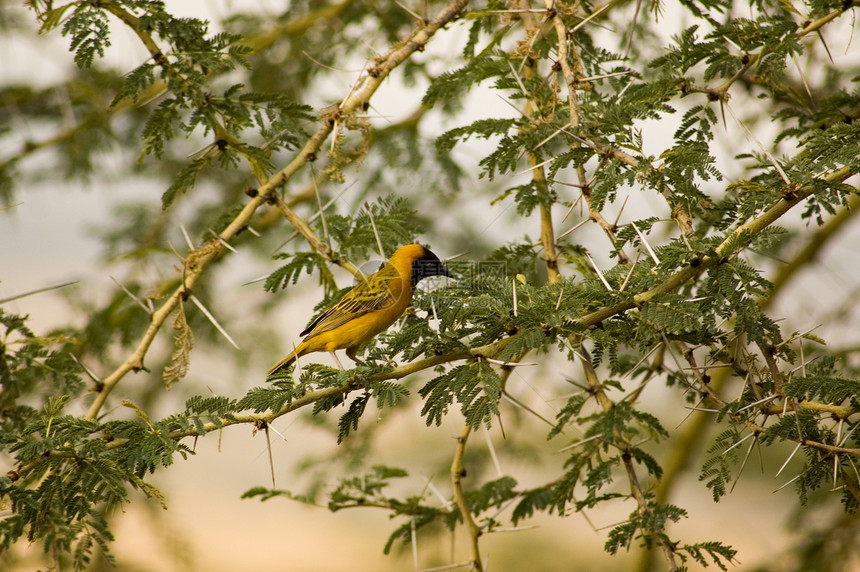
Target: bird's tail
<point x="287" y="361"/>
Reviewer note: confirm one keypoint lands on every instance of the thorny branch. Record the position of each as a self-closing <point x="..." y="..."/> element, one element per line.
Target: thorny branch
<point x="725" y="249"/>
<point x="596" y="390"/>
<point x="202" y="256"/>
<point x="354" y="384"/>
<point x="547" y="233"/>
<point x="574" y="80"/>
<point x="199" y="259"/>
<point x="671" y="284"/>
<point x="305" y="230"/>
<point x="457" y="474"/>
<point x="707" y="390"/>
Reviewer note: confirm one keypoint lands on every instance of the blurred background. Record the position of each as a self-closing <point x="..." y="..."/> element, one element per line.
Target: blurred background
<point x="72" y="228"/>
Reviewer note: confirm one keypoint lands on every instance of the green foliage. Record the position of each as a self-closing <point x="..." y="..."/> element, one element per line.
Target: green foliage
<point x="483" y="128"/>
<point x="476" y="387"/>
<point x="832" y="390"/>
<point x="290" y="273"/>
<point x="457" y="82"/>
<point x="658" y="304"/>
<point x="89" y="30"/>
<point x="393" y="217"/>
<point x="717" y="469"/>
<point x="366" y="488"/>
<point x="719" y="553"/>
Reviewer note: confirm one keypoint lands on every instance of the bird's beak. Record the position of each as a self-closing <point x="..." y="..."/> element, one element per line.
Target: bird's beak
<point x="435" y="268"/>
<point x="422" y="269"/>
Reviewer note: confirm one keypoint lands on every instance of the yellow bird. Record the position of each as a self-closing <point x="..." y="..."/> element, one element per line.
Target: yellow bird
<point x="369" y="308"/>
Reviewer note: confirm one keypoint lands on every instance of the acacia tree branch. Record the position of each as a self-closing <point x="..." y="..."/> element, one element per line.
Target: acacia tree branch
<point x="199" y="259"/>
<point x="294" y="28"/>
<point x="356" y="383"/>
<point x="645" y="512"/>
<point x="318" y="245"/>
<point x="547" y="232"/>
<point x="205" y="254"/>
<point x="547" y="236"/>
<point x="684" y="447"/>
<point x="534" y="30"/>
<point x="574" y="80"/>
<point x="457" y="474"/>
<point x="809" y="252"/>
<point x="707" y="389"/>
<point x="686" y="444"/>
<point x="721" y="94"/>
<point x="133" y="22"/>
<point x="815" y="25"/>
<point x="735" y="241"/>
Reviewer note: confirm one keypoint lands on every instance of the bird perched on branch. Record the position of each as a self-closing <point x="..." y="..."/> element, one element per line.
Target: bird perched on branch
<point x="372" y="306"/>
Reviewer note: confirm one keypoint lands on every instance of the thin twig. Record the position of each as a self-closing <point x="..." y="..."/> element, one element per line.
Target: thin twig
<point x="457" y="474"/>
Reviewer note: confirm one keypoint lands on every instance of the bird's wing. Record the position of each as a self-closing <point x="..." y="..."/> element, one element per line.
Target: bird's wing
<point x="373" y="293"/>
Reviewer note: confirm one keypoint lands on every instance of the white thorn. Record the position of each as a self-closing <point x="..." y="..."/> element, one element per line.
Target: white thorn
<point x="37" y="291"/>
<point x="212" y="319"/>
<point x="581" y="442"/>
<point x="88" y="371"/>
<point x="570" y="230"/>
<point x="132" y="296"/>
<point x="645" y="242"/>
<point x="788" y="483"/>
<point x="223" y="242"/>
<point x="629" y="274"/>
<point x="533" y="167"/>
<point x="321" y="213"/>
<point x="508" y="363"/>
<point x="599" y="273"/>
<point x="185" y="234"/>
<point x="752" y="137"/>
<point x="493" y="454"/>
<point x="519" y="81"/>
<point x="584" y="22"/>
<point x="375" y="232"/>
<point x="738" y="443"/>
